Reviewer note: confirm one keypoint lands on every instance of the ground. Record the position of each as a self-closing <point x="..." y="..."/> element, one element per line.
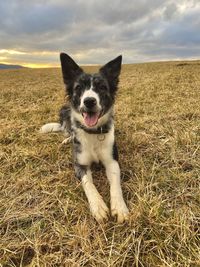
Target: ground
<point x="44" y="215"/>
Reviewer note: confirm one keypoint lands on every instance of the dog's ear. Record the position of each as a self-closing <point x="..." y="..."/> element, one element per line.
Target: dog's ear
<point x="70" y="69"/>
<point x="111" y="72"/>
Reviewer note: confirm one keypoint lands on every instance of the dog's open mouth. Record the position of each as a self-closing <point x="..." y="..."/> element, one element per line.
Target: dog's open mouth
<point x="91" y="118"/>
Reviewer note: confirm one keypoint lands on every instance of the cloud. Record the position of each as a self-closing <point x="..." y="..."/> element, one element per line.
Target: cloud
<point x="95" y="31"/>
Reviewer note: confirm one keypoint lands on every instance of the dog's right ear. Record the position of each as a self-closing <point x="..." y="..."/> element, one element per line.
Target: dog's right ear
<point x="111" y="71"/>
<point x="70" y="69"/>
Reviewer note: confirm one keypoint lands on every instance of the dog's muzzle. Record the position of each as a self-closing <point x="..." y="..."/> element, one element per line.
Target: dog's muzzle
<point x="90" y="111"/>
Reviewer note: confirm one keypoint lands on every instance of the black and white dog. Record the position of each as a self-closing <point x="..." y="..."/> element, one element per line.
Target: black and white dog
<point x="88" y="119"/>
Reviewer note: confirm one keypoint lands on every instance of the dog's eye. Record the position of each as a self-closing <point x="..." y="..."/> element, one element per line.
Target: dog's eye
<point x="102" y="87"/>
<point x="78" y="87"/>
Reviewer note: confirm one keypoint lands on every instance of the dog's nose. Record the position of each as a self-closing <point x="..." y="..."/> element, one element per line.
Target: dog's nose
<point x="90" y="102"/>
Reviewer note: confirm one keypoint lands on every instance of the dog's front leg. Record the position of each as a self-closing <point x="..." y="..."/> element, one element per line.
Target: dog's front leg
<point x="98" y="207"/>
<point x="118" y="206"/>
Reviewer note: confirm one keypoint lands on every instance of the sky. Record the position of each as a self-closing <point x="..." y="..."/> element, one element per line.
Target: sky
<point x="33" y="33"/>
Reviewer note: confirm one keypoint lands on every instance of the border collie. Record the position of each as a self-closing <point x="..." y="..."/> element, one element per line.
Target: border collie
<point x="88" y="120"/>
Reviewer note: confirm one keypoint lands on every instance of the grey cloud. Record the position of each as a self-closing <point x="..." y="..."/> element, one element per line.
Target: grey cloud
<point x="34" y="19"/>
<point x="170" y="11"/>
<point x="185" y="31"/>
<point x="99" y="30"/>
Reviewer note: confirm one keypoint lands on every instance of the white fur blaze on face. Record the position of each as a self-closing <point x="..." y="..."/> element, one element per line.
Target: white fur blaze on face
<point x="98" y="208"/>
<point x="90" y="93"/>
<point x="118" y="206"/>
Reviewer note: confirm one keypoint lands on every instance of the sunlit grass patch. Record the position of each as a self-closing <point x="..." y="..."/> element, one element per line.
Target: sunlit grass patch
<point x="44" y="214"/>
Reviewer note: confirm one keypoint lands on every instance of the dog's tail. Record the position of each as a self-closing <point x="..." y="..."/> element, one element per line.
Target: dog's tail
<point x="52" y="127"/>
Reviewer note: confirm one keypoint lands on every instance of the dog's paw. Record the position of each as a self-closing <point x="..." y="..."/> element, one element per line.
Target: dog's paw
<point x="51" y="127"/>
<point x="119" y="209"/>
<point x="66" y="140"/>
<point x="99" y="209"/>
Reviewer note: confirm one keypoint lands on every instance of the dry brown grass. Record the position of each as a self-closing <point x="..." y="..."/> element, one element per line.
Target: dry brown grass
<point x="44" y="216"/>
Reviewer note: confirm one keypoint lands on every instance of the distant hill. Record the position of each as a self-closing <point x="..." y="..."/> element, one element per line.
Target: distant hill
<point x="6" y="66"/>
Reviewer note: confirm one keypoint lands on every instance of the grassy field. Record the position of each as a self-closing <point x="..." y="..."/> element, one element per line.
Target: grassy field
<point x="44" y="215"/>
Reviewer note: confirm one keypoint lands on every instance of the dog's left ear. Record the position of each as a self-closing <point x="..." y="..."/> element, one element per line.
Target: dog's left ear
<point x="111" y="72"/>
<point x="70" y="69"/>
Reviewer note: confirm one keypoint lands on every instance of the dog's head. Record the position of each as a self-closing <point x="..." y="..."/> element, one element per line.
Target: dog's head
<point x="91" y="95"/>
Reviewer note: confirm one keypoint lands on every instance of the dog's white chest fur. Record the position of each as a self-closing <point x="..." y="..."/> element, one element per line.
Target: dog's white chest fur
<point x="95" y="148"/>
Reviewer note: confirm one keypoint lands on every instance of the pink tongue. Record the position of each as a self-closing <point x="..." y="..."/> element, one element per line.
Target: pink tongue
<point x="90" y="120"/>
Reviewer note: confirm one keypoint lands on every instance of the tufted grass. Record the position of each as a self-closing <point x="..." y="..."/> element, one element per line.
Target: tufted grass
<point x="44" y="215"/>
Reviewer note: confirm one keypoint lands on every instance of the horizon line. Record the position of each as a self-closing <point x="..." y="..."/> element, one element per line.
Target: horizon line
<point x="51" y="65"/>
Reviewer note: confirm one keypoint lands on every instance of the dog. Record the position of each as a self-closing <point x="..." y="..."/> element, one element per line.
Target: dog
<point x="88" y="121"/>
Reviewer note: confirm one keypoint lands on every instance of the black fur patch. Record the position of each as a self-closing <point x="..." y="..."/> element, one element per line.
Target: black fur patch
<point x="65" y="117"/>
<point x="115" y="152"/>
<point x="82" y="83"/>
<point x="76" y="146"/>
<point x="106" y="95"/>
<point x="76" y="141"/>
<point x="80" y="170"/>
